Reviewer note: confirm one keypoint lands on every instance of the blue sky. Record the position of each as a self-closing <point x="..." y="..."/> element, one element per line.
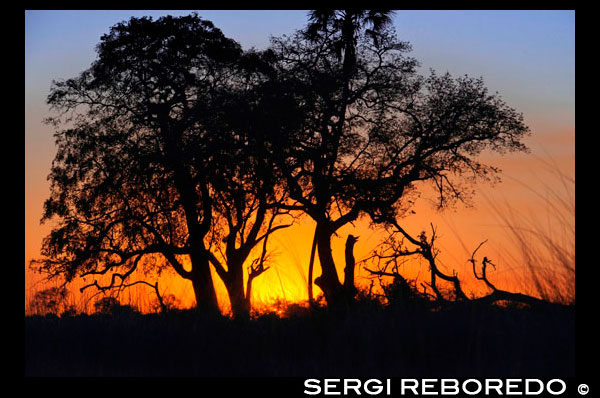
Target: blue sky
<point x="528" y="56"/>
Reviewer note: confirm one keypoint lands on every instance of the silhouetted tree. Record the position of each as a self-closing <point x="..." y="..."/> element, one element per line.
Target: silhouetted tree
<point x="367" y="138"/>
<point x="153" y="162"/>
<point x="246" y="197"/>
<point x="343" y="26"/>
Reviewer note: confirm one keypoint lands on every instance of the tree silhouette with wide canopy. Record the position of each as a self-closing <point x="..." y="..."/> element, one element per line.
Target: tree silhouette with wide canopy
<point x="181" y="150"/>
<point x="373" y="129"/>
<point x="157" y="166"/>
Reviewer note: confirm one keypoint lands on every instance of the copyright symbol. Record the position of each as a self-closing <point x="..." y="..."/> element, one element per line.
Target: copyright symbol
<point x="583" y="389"/>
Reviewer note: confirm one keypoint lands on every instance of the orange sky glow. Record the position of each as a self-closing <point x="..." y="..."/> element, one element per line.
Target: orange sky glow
<point x="527" y="182"/>
<point x="537" y="195"/>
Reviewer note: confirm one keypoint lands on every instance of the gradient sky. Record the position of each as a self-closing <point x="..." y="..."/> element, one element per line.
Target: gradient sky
<point x="527" y="56"/>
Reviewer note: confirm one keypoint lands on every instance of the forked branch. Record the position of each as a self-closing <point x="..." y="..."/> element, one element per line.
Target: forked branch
<point x="425" y="248"/>
<point x="122" y="285"/>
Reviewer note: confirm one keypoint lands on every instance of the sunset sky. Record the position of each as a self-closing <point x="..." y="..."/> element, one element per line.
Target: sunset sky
<point x="526" y="56"/>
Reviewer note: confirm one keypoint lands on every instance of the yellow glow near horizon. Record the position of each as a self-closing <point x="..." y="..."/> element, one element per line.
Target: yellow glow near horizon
<point x="460" y="231"/>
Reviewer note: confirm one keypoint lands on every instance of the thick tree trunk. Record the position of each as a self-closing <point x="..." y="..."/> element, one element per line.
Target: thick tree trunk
<point x="204" y="289"/>
<point x="240" y="304"/>
<point x="328" y="281"/>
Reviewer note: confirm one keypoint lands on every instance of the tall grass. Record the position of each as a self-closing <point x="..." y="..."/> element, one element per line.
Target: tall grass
<point x="543" y="238"/>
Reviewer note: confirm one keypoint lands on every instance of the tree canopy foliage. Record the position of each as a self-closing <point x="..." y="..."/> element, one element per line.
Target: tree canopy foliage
<point x="179" y="149"/>
<point x="157" y="158"/>
<point x="372" y="130"/>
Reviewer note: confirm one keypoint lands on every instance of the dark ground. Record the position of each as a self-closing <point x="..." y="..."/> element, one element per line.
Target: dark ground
<point x="366" y="341"/>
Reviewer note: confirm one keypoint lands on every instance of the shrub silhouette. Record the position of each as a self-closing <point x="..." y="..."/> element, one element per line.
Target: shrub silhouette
<point x="111" y="306"/>
<point x="51" y="300"/>
<point x="169" y="303"/>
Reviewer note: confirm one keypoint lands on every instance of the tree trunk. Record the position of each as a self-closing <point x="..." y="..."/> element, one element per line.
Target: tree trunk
<point x="204" y="289"/>
<point x="240" y="304"/>
<point x="311" y="266"/>
<point x="328" y="281"/>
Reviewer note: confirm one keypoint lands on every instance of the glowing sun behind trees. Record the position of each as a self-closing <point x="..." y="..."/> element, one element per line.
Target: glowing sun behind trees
<point x="151" y="166"/>
<point x="181" y="144"/>
<point x="370" y="132"/>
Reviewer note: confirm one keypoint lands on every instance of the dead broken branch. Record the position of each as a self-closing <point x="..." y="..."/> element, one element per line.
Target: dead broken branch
<point x="393" y="250"/>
